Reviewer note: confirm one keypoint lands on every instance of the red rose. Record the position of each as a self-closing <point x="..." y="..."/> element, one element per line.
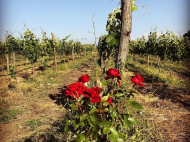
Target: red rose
<point x="84" y="78"/>
<point x="94" y="94"/>
<point x="96" y="99"/>
<point x="137" y="79"/>
<point x="109" y="100"/>
<point x="75" y="89"/>
<point x="112" y="73"/>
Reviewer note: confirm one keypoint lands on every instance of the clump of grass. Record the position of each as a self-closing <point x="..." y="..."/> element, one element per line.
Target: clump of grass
<point x="41" y="96"/>
<point x="63" y="67"/>
<point x="9" y="114"/>
<point x="33" y="123"/>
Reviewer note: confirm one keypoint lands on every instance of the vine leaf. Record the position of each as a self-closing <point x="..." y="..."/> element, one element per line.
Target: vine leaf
<point x="112" y="40"/>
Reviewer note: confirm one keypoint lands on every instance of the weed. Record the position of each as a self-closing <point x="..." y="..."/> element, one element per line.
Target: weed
<point x="41" y="96"/>
<point x="30" y="89"/>
<point x="33" y="123"/>
<point x="58" y="82"/>
<point x="9" y="114"/>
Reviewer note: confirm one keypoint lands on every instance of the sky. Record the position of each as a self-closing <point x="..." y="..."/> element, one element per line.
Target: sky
<point x="64" y="17"/>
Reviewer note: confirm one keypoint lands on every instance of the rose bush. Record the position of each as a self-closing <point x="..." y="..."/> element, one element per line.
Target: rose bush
<point x="101" y="112"/>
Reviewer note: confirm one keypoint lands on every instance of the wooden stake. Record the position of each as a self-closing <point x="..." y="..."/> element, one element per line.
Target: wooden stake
<point x="73" y="52"/>
<point x="85" y="49"/>
<point x="131" y="57"/>
<point x="33" y="71"/>
<point x="7" y="56"/>
<point x="148" y="61"/>
<point x="14" y="60"/>
<point x="55" y="60"/>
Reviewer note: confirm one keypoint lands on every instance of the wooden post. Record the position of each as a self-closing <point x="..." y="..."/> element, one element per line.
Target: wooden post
<point x="55" y="61"/>
<point x="148" y="61"/>
<point x="73" y="51"/>
<point x="64" y="57"/>
<point x="7" y="55"/>
<point x="131" y="57"/>
<point x="85" y="49"/>
<point x="33" y="69"/>
<point x="42" y="56"/>
<point x="14" y="60"/>
<point x="170" y="70"/>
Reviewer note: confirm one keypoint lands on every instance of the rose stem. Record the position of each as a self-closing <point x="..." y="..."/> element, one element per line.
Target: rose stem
<point x="82" y="114"/>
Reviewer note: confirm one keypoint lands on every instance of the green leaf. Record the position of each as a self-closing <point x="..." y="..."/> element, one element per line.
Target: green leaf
<point x="127" y="123"/>
<point x="95" y="117"/>
<point x="125" y="116"/>
<point x="133" y="120"/>
<point x="104" y="123"/>
<point x="121" y="136"/>
<point x="110" y="109"/>
<point x="130" y="47"/>
<point x="93" y="110"/>
<point x="111" y="137"/>
<point x="66" y="129"/>
<point x="135" y="105"/>
<point x="76" y="126"/>
<point x="114" y="132"/>
<point x="80" y="138"/>
<point x="119" y="140"/>
<point x="83" y="117"/>
<point x="106" y="130"/>
<point x="134" y="7"/>
<point x="105" y="104"/>
<point x="119" y="95"/>
<point x="106" y="110"/>
<point x="135" y="92"/>
<point x="105" y="98"/>
<point x="96" y="128"/>
<point x="82" y="124"/>
<point x="104" y="83"/>
<point x="90" y="122"/>
<point x="113" y="114"/>
<point x="74" y="106"/>
<point x="112" y="40"/>
<point x="94" y="136"/>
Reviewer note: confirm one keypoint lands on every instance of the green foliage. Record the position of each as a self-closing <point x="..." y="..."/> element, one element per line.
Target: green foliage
<point x="31" y="46"/>
<point x="166" y="46"/>
<point x="9" y="114"/>
<point x="12" y="44"/>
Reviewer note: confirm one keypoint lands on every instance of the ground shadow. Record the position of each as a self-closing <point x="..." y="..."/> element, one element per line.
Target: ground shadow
<point x="163" y="91"/>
